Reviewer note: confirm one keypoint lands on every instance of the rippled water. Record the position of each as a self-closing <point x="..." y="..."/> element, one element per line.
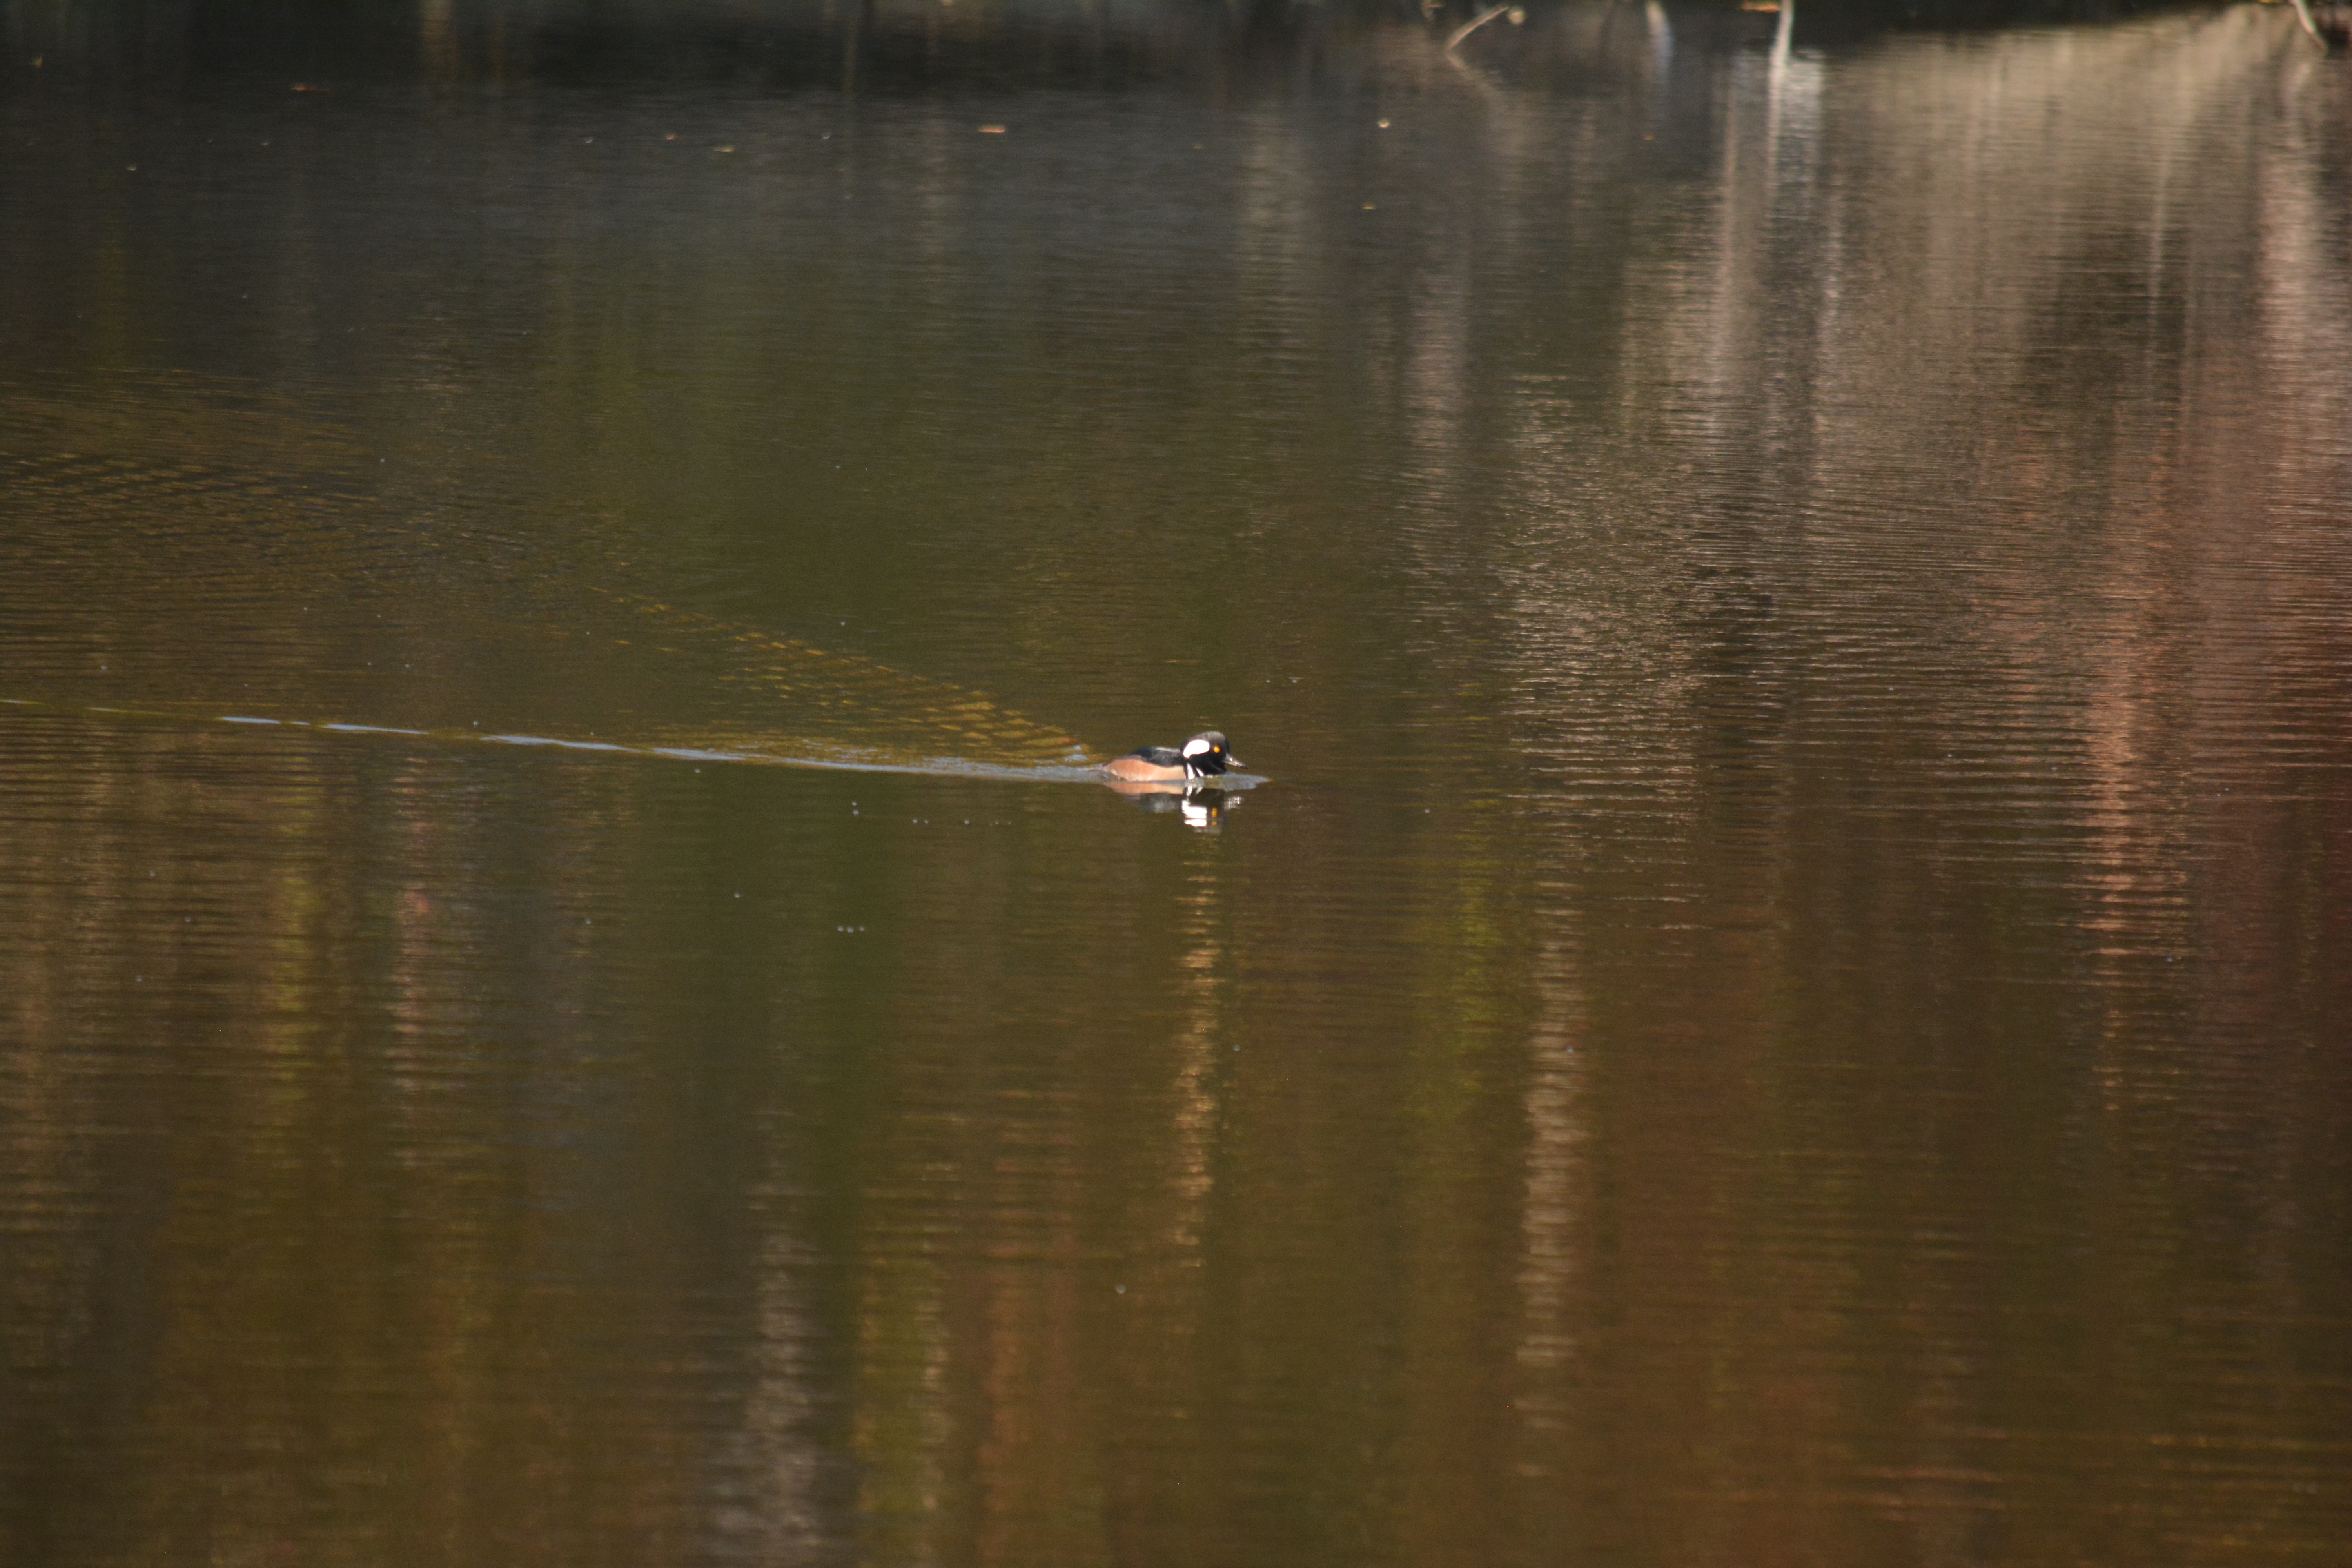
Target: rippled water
<point x="1781" y="992"/>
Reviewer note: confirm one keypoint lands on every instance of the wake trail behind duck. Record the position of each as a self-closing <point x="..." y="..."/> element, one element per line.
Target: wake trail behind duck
<point x="195" y="550"/>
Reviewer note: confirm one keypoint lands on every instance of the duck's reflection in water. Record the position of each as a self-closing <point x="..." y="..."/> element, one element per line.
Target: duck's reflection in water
<point x="1202" y="806"/>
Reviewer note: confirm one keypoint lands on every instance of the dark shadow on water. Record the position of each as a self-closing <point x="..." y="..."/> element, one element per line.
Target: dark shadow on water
<point x="806" y="45"/>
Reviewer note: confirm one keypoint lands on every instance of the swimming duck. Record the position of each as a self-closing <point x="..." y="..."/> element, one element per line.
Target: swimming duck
<point x="1201" y="757"/>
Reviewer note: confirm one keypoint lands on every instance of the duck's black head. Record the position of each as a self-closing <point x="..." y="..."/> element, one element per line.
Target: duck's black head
<point x="1206" y="757"/>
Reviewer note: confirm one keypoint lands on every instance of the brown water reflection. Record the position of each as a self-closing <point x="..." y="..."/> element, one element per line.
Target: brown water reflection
<point x="1782" y="1003"/>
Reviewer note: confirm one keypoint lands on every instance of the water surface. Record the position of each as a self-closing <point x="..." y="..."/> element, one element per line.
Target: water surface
<point x="1783" y="997"/>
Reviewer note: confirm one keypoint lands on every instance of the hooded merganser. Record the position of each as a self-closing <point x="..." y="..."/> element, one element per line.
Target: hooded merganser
<point x="1201" y="757"/>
